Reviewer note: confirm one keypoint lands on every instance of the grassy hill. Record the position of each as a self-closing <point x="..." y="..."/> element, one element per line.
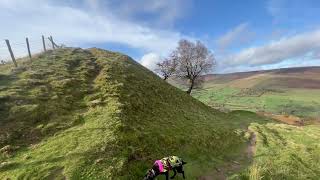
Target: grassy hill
<point x="95" y="114"/>
<point x="291" y="91"/>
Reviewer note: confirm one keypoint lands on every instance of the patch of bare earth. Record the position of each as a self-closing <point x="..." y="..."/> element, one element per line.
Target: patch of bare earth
<point x="233" y="166"/>
<point x="291" y="120"/>
<point x="287" y="119"/>
<point x="56" y="174"/>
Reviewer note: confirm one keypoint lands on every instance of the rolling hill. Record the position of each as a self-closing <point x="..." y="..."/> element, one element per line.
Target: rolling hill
<point x="289" y="91"/>
<point x="300" y="77"/>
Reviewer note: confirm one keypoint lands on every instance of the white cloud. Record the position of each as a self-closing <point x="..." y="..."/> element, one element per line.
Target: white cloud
<point x="239" y="34"/>
<point x="164" y="12"/>
<point x="276" y="51"/>
<point x="80" y="25"/>
<point x="150" y="60"/>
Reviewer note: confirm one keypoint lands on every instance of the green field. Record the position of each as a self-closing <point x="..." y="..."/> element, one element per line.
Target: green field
<point x="304" y="103"/>
<point x="96" y="114"/>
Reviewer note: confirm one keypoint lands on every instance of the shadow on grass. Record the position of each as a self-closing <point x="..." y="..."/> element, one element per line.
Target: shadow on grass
<point x="7" y="166"/>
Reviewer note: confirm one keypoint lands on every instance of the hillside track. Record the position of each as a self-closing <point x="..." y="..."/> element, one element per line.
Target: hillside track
<point x="236" y="165"/>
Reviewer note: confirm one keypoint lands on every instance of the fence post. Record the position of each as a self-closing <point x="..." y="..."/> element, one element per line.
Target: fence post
<point x="11" y="53"/>
<point x="51" y="40"/>
<point x="28" y="46"/>
<point x="44" y="44"/>
<point x="54" y="45"/>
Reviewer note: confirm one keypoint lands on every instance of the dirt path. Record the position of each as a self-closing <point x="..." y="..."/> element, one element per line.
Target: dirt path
<point x="251" y="149"/>
<point x="233" y="166"/>
<point x="56" y="174"/>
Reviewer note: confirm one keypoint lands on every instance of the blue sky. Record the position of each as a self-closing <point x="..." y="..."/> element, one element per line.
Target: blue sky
<point x="243" y="35"/>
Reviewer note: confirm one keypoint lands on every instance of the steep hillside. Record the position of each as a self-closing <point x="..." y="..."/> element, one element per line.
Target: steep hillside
<point x="95" y="114"/>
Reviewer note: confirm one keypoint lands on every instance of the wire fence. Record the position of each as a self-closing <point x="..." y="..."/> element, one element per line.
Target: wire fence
<point x="13" y="51"/>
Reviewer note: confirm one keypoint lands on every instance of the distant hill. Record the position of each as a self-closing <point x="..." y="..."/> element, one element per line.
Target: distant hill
<point x="300" y="77"/>
<point x="288" y="91"/>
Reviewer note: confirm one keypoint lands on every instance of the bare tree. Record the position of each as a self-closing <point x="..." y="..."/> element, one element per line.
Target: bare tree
<point x="167" y="67"/>
<point x="193" y="60"/>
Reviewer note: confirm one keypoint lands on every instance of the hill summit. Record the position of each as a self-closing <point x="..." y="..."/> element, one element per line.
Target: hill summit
<point x="96" y="114"/>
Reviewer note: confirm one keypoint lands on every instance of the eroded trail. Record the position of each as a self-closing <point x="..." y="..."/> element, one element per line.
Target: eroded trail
<point x="233" y="166"/>
<point x="252" y="145"/>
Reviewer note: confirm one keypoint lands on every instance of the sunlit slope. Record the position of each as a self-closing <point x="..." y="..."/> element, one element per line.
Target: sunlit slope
<point x="285" y="152"/>
<point x="40" y="98"/>
<point x="101" y="115"/>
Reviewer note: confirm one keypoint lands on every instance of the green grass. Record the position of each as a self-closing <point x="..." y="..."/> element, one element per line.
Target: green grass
<point x="285" y="152"/>
<point x="42" y="97"/>
<point x="95" y="114"/>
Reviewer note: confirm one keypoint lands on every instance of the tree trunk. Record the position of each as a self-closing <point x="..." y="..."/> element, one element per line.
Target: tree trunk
<point x="190" y="87"/>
